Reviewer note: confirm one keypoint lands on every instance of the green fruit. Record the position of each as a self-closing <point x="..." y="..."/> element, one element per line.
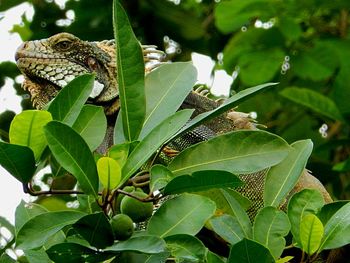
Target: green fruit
<point x="119" y="198"/>
<point x="137" y="210"/>
<point x="122" y="226"/>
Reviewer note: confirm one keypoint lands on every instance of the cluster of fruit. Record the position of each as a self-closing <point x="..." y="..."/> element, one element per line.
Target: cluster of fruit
<point x="129" y="211"/>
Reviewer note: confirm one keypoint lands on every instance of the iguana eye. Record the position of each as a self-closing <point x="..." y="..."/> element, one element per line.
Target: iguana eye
<point x="63" y="45"/>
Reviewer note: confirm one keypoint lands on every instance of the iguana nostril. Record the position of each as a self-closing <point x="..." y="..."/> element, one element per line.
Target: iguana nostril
<point x="22" y="47"/>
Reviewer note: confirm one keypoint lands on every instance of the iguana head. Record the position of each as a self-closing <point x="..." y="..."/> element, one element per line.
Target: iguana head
<point x="50" y="64"/>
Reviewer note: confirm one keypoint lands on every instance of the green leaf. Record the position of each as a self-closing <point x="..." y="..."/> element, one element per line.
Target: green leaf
<point x="153" y="141"/>
<point x="232" y="203"/>
<point x="337" y="229"/>
<point x="109" y="172"/>
<point x="307" y="65"/>
<point x="119" y="153"/>
<point x="25" y="211"/>
<point x="155" y="258"/>
<point x="328" y="210"/>
<point x="213" y="258"/>
<point x="69" y="101"/>
<point x="228" y="227"/>
<point x="95" y="229"/>
<point x="38" y="229"/>
<point x="27" y="129"/>
<point x="72" y="253"/>
<point x="160" y="177"/>
<point x="186" y="248"/>
<point x="282" y="177"/>
<point x="130" y="74"/>
<point x="232" y="15"/>
<point x="73" y="154"/>
<point x="36" y="255"/>
<point x="4" y="258"/>
<point x="227" y="105"/>
<point x="270" y="227"/>
<point x="289" y="28"/>
<point x="184" y="214"/>
<point x="311" y="233"/>
<point x="147" y="244"/>
<point x="18" y="160"/>
<point x="236" y="152"/>
<point x="202" y="180"/>
<point x="307" y="201"/>
<point x="249" y="251"/>
<point x="260" y="66"/>
<point x="6" y="224"/>
<point x="91" y="124"/>
<point x="166" y="88"/>
<point x="313" y="100"/>
<point x="285" y="259"/>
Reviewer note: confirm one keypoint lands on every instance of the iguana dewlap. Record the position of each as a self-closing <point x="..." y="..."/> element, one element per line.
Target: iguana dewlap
<point x="49" y="64"/>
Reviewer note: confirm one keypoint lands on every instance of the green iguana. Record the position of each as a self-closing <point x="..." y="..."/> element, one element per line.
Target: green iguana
<point x="49" y="64"/>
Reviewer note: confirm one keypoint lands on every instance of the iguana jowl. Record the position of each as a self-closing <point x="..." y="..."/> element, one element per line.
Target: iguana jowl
<point x="49" y="64"/>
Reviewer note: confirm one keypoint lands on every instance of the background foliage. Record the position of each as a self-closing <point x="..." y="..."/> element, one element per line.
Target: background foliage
<point x="304" y="45"/>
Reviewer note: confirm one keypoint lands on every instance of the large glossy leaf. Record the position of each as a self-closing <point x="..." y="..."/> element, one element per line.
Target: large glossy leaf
<point x="166" y="88"/>
<point x="249" y="251"/>
<point x="72" y="253"/>
<point x="186" y="248"/>
<point x="328" y="210"/>
<point x="213" y="258"/>
<point x="227" y="105"/>
<point x="36" y="255"/>
<point x="232" y="203"/>
<point x="153" y="141"/>
<point x="337" y="229"/>
<point x="311" y="233"/>
<point x="27" y="129"/>
<point x="91" y="124"/>
<point x="119" y="152"/>
<point x="18" y="160"/>
<point x="227" y="227"/>
<point x="282" y="177"/>
<point x="69" y="101"/>
<point x="236" y="152"/>
<point x="270" y="227"/>
<point x="35" y="232"/>
<point x="307" y="201"/>
<point x="25" y="211"/>
<point x="96" y="229"/>
<point x="73" y="154"/>
<point x="147" y="244"/>
<point x="109" y="172"/>
<point x="313" y="100"/>
<point x="160" y="177"/>
<point x="201" y="181"/>
<point x="130" y="74"/>
<point x="184" y="214"/>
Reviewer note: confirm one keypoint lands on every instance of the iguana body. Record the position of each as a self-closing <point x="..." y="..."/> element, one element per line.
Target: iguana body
<point x="49" y="64"/>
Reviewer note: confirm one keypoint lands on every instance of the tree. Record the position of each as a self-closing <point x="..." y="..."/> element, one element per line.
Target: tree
<point x="314" y="226"/>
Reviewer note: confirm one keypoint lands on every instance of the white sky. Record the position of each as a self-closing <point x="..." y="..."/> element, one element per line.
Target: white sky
<point x="10" y="189"/>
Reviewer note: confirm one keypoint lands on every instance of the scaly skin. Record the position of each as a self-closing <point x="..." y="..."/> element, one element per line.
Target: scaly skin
<point x="49" y="64"/>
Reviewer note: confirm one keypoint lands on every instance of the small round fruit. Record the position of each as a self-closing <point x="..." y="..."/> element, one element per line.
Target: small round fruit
<point x="119" y="198"/>
<point x="122" y="226"/>
<point x="137" y="210"/>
